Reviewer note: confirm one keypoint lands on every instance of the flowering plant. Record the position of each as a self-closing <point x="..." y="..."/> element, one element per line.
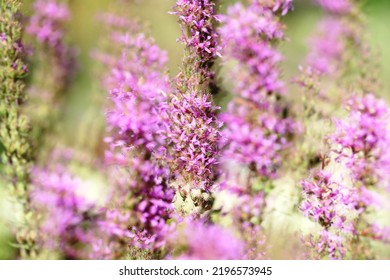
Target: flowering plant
<point x="231" y="144"/>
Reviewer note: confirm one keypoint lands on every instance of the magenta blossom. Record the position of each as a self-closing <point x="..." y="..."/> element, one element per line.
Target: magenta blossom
<point x="329" y="244"/>
<point x="363" y="138"/>
<point x="191" y="127"/>
<point x="336" y="6"/>
<point x="193" y="132"/>
<point x="328" y="48"/>
<point x="137" y="84"/>
<point x="198" y="17"/>
<point x="65" y="212"/>
<point x="326" y="201"/>
<point x="46" y="22"/>
<point x="211" y="242"/>
<point x="47" y="25"/>
<point x="257" y="132"/>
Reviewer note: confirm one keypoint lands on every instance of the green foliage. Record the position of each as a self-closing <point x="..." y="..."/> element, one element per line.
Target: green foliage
<point x="14" y="126"/>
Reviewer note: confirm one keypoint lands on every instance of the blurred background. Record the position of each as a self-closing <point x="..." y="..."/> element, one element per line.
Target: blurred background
<point x="82" y="121"/>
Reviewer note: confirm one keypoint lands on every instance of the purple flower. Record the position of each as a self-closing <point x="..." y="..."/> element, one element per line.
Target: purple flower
<point x="327" y="201"/>
<point x="136" y="84"/>
<point x="328" y="48"/>
<point x="361" y="144"/>
<point x="284" y="6"/>
<point x="154" y="209"/>
<point x="46" y="22"/>
<point x="329" y="244"/>
<point x="256" y="129"/>
<point x="198" y="17"/>
<point x="256" y="141"/>
<point x="137" y="91"/>
<point x="3" y="37"/>
<point x="210" y="242"/>
<point x="191" y="128"/>
<point x="47" y="25"/>
<point x="380" y="233"/>
<point x="336" y="6"/>
<point x="248" y="216"/>
<point x="192" y="131"/>
<point x="362" y="139"/>
<point x="64" y="212"/>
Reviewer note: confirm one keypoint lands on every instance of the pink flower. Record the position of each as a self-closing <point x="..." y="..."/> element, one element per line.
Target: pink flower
<point x="336" y="6"/>
<point x="65" y="213"/>
<point x="326" y="201"/>
<point x="363" y="139"/>
<point x="256" y="130"/>
<point x="210" y="242"/>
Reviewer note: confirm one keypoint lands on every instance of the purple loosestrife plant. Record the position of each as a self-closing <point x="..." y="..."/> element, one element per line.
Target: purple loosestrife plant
<point x="338" y="61"/>
<point x="357" y="145"/>
<point x="191" y="128"/>
<point x="322" y="78"/>
<point x="65" y="216"/>
<point x="136" y="84"/>
<point x="345" y="52"/>
<point x="256" y="129"/>
<point x="15" y="149"/>
<point x="328" y="203"/>
<point x="54" y="66"/>
<point x="257" y="126"/>
<point x="197" y="19"/>
<point x="321" y="71"/>
<point x="328" y="48"/>
<point x="361" y="144"/>
<point x="113" y="234"/>
<point x="47" y="26"/>
<point x="361" y="140"/>
<point x="247" y="216"/>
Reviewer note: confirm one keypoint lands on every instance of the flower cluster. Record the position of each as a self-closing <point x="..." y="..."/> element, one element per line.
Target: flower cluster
<point x="197" y="19"/>
<point x="210" y="242"/>
<point x="46" y="23"/>
<point x="284" y="6"/>
<point x="154" y="209"/>
<point x="345" y="48"/>
<point x="362" y="139"/>
<point x="328" y="243"/>
<point x="336" y="6"/>
<point x="256" y="129"/>
<point x="327" y="48"/>
<point x="111" y="235"/>
<point x="192" y="130"/>
<point x="170" y="177"/>
<point x="136" y="87"/>
<point x="380" y="233"/>
<point x="361" y="143"/>
<point x="247" y="215"/>
<point x="328" y="203"/>
<point x="65" y="213"/>
<point x="47" y="27"/>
